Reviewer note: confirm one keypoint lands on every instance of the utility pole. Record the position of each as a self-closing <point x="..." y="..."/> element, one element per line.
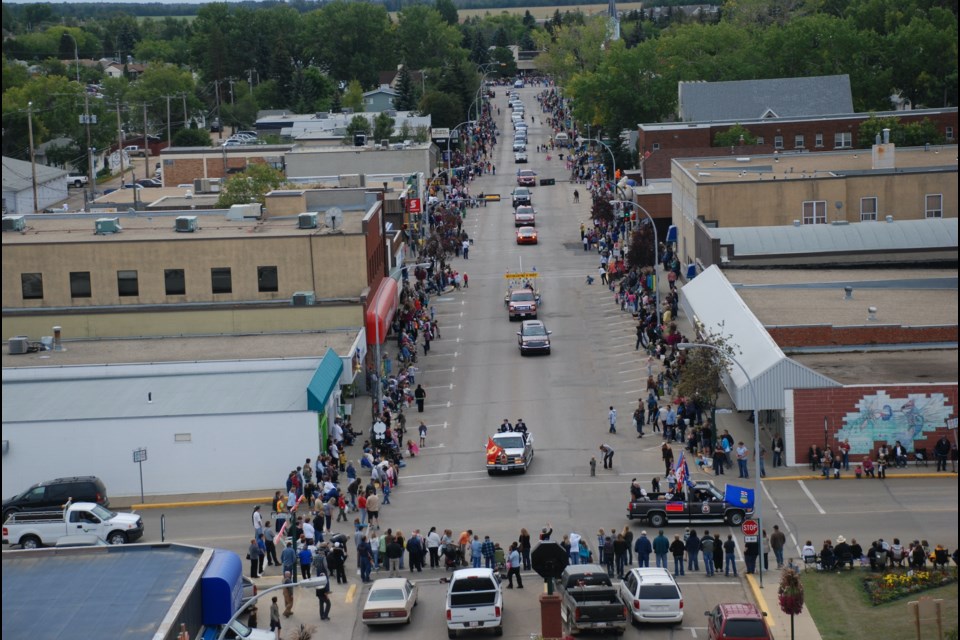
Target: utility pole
<point x="120" y="142"/>
<point x="184" y="97"/>
<point x="216" y="85"/>
<point x="91" y="174"/>
<point x="232" y="102"/>
<point x="146" y="147"/>
<point x="33" y="160"/>
<point x="169" y="130"/>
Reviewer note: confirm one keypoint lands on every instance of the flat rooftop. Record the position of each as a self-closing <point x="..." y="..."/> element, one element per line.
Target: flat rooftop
<point x="788" y="297"/>
<point x="79" y="227"/>
<point x="884" y="367"/>
<point x="824" y="164"/>
<point x="106" y="592"/>
<point x="187" y="349"/>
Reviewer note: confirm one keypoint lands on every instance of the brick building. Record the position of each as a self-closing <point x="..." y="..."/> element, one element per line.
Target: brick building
<point x="182" y="165"/>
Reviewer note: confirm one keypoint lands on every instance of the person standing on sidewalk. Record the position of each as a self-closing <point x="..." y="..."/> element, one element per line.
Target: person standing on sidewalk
<point x="253" y="555"/>
<point x="742" y="452"/>
<point x="729" y="554"/>
<point x="693" y="551"/>
<point x="271" y="547"/>
<point x="513" y="562"/>
<point x="287" y="594"/>
<point x="612" y="417"/>
<point x="677" y="548"/>
<point x="420" y="395"/>
<point x="660" y="548"/>
<point x="777" y="542"/>
<point x="275" y="617"/>
<point x="707" y="547"/>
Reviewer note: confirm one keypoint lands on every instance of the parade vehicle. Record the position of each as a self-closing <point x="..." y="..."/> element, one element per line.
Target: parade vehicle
<point x="525" y="216"/>
<point x="526" y="178"/>
<point x="520" y="157"/>
<point x="509" y="451"/>
<point x="474" y="602"/>
<point x="702" y="502"/>
<point x="589" y="601"/>
<point x="33" y="529"/>
<point x="533" y="337"/>
<point x="522" y="302"/>
<point x="527" y="235"/>
<point x="521" y="195"/>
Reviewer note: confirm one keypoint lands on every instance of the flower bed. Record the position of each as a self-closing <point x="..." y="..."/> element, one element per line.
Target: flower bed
<point x="893" y="586"/>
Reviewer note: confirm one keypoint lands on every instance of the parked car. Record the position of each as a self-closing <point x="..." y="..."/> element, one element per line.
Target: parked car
<point x="527" y="235"/>
<point x="135" y="150"/>
<point x="652" y="595"/>
<point x="53" y="494"/>
<point x="736" y="621"/>
<point x="520" y="157"/>
<point x="389" y="601"/>
<point x="77" y="180"/>
<point x="474" y="602"/>
<point x="150" y="183"/>
<point x="533" y="337"/>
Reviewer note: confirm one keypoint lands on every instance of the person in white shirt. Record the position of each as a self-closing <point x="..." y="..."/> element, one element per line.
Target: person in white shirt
<point x="808" y="550"/>
<point x="257" y="521"/>
<point x="574" y="548"/>
<point x="308" y="531"/>
<point x="433" y="546"/>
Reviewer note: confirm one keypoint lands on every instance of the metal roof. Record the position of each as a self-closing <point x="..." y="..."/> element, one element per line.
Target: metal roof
<point x="128" y="391"/>
<point x="17" y="174"/>
<point x="103" y="592"/>
<point x="899" y="235"/>
<point x="774" y="97"/>
<point x="712" y="300"/>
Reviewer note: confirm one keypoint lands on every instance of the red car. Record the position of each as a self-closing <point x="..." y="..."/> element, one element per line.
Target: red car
<point x="737" y="621"/>
<point x="526" y="235"/>
<point x="526" y="178"/>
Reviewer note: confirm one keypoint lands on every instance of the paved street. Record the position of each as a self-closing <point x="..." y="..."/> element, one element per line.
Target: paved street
<point x="475" y="377"/>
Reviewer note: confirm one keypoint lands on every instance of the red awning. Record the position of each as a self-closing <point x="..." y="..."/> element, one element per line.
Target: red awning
<point x="380" y="311"/>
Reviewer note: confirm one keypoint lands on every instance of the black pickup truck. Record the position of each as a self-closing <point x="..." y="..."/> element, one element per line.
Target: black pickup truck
<point x="590" y="602"/>
<point x="702" y="503"/>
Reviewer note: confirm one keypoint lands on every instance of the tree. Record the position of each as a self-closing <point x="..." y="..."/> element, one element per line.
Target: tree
<point x="250" y="186"/>
<point x="528" y="20"/>
<point x="445" y="109"/>
<point x="351" y="40"/>
<point x="407" y="93"/>
<point x="790" y="595"/>
<point x="448" y="11"/>
<point x="702" y="369"/>
<point x="479" y="53"/>
<point x="353" y="96"/>
<point x="911" y="134"/>
<point x="508" y="66"/>
<point x="424" y="39"/>
<point x="641" y="253"/>
<point x="734" y="136"/>
<point x="383" y="127"/>
<point x="357" y="124"/>
<point x="191" y="138"/>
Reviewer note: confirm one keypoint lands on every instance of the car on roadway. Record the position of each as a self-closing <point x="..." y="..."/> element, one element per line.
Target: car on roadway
<point x="521" y="195"/>
<point x="526" y="178"/>
<point x="389" y="601"/>
<point x="527" y="235"/>
<point x="519" y="147"/>
<point x="149" y="183"/>
<point x="533" y="337"/>
<point x="525" y="216"/>
<point x="474" y="602"/>
<point x="52" y="494"/>
<point x="513" y="451"/>
<point x="740" y="621"/>
<point x="520" y="157"/>
<point x="518" y="83"/>
<point x="523" y="302"/>
<point x="652" y="595"/>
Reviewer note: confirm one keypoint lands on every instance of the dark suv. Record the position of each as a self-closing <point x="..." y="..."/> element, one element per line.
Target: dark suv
<point x="53" y="494"/>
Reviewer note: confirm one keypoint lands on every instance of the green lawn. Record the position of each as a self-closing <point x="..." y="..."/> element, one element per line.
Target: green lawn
<point x="842" y="611"/>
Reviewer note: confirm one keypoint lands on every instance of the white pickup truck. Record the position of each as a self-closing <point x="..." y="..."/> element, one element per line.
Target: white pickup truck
<point x="33" y="529"/>
<point x="474" y="602"/>
<point x="77" y="180"/>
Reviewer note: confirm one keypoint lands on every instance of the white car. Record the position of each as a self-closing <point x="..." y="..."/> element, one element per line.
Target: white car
<point x="652" y="595"/>
<point x="390" y="601"/>
<point x="520" y="157"/>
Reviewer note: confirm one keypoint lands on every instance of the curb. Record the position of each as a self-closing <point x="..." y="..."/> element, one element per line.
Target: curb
<point x="851" y="477"/>
<point x="201" y="503"/>
<point x="758" y="596"/>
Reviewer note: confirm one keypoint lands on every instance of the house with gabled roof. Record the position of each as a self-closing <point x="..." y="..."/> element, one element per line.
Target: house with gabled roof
<point x="770" y="98"/>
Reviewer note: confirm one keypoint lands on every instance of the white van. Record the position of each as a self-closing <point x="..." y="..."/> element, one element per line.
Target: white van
<point x="562" y="139"/>
<point x="474" y="602"/>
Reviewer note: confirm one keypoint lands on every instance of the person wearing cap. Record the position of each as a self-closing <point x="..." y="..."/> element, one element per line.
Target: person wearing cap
<point x="643" y="549"/>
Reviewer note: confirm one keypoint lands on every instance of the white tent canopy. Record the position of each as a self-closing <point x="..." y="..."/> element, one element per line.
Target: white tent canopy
<point x="712" y="301"/>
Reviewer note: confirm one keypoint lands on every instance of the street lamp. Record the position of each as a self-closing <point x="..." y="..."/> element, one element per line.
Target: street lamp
<point x="486" y="68"/>
<point x="318" y="582"/>
<point x="757" y="500"/>
<point x="449" y="159"/>
<point x="656" y="253"/>
<point x="613" y="159"/>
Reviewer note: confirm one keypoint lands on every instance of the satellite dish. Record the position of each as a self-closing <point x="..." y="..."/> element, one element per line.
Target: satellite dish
<point x="334" y="217"/>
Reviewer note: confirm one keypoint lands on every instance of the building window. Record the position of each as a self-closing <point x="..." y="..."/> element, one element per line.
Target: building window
<point x="798" y="142"/>
<point x="843" y="140"/>
<point x="818" y="141"/>
<point x="760" y="140"/>
<point x="656" y="146"/>
<point x="267" y="281"/>
<point x="80" y="284"/>
<point x="220" y="280"/>
<point x="815" y="212"/>
<point x="868" y="209"/>
<point x="175" y="282"/>
<point x="948" y="132"/>
<point x="934" y="206"/>
<point x="127" y="284"/>
<point x="31" y="285"/>
<point x="778" y="142"/>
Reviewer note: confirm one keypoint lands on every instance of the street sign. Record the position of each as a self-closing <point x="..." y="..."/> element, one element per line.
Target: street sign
<point x="750" y="527"/>
<point x="438" y="133"/>
<point x="413" y="205"/>
<point x="521" y="276"/>
<point x="139" y="455"/>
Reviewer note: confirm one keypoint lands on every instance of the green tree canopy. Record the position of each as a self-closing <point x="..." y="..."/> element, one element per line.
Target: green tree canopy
<point x="250" y="186"/>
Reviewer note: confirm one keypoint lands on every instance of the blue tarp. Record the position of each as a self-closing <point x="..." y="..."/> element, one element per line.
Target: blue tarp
<point x="324" y="381"/>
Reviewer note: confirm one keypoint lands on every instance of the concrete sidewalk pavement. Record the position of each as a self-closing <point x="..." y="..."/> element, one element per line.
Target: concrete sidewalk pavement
<point x="768" y="601"/>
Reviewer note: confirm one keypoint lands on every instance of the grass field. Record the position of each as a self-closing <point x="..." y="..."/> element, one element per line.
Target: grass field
<point x="842" y="611"/>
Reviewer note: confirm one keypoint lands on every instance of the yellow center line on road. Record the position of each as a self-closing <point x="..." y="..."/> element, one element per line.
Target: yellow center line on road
<point x="351" y="593"/>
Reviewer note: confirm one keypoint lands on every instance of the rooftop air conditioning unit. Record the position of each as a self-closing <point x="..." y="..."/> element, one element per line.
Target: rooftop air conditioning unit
<point x="103" y="226"/>
<point x="307" y="221"/>
<point x="186" y="224"/>
<point x="303" y="299"/>
<point x="19" y="345"/>
<point x="14" y="223"/>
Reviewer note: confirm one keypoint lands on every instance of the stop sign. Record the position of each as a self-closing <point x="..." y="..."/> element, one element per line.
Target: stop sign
<point x="750" y="527"/>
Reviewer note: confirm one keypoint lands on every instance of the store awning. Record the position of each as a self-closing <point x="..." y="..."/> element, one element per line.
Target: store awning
<point x="380" y="311"/>
<point x="324" y="381"/>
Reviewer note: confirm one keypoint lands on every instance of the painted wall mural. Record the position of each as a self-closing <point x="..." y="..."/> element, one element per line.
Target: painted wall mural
<point x="883" y="418"/>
